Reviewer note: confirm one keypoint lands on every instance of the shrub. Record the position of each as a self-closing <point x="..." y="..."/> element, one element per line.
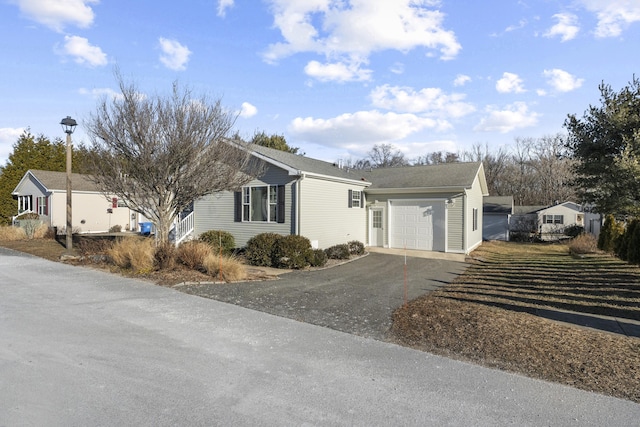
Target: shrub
<point x="133" y="252"/>
<point x="192" y="254"/>
<point x="610" y="234"/>
<point x="624" y="242"/>
<point x="115" y="228"/>
<point x="9" y="232"/>
<point x="318" y="258"/>
<point x="28" y="215"/>
<point x="338" y="252"/>
<point x="165" y="256"/>
<point x="218" y="239"/>
<point x="355" y="247"/>
<point x="259" y="249"/>
<point x="292" y="251"/>
<point x="583" y="244"/>
<point x="573" y="231"/>
<point x="227" y="268"/>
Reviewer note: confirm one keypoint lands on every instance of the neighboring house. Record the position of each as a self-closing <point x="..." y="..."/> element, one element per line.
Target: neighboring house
<point x="496" y="217"/>
<point x="554" y="220"/>
<point x="435" y="208"/>
<point x="551" y="222"/>
<point x="44" y="193"/>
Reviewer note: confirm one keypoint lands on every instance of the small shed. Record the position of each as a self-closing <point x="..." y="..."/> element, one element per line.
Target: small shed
<point x="497" y="212"/>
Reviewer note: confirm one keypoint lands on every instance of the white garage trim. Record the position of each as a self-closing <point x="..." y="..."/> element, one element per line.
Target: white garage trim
<point x="419" y="224"/>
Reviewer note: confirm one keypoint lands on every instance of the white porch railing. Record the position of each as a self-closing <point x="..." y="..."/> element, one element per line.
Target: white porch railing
<point x="183" y="228"/>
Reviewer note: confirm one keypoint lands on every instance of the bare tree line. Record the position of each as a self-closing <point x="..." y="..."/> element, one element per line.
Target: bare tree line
<point x="535" y="171"/>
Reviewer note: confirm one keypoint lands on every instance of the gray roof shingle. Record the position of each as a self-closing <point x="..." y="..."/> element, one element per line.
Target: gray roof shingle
<point x="58" y="181"/>
<point x="453" y="175"/>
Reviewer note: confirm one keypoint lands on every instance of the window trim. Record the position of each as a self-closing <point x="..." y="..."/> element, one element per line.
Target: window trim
<point x="42" y="205"/>
<point x="274" y="200"/>
<point x="475" y="219"/>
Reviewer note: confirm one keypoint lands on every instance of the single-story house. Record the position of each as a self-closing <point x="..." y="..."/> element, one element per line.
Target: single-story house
<point x="44" y="193"/>
<point x="496" y="217"/>
<point x="434" y="208"/>
<point x="550" y="222"/>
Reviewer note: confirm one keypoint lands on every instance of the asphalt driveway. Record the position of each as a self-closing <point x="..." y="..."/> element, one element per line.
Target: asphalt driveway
<point x="357" y="297"/>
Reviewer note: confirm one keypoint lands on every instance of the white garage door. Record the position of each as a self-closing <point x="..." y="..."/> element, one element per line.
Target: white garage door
<point x="417" y="225"/>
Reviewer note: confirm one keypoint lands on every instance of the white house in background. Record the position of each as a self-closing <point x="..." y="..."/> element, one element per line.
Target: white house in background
<point x="44" y="193"/>
<point x="434" y="208"/>
<point x="496" y="217"/>
<point x="555" y="219"/>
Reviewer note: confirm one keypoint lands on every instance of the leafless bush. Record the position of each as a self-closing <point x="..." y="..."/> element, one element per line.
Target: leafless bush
<point x="583" y="244"/>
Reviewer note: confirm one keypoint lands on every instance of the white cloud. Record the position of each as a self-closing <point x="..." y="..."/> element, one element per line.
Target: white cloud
<point x="614" y="16"/>
<point x="339" y="72"/>
<point x="56" y="14"/>
<point x="397" y="68"/>
<point x="100" y="92"/>
<point x="429" y="101"/>
<point x="8" y="137"/>
<point x="248" y="110"/>
<point x="515" y="116"/>
<point x="562" y="81"/>
<point x="174" y="55"/>
<point x="510" y="83"/>
<point x="348" y="32"/>
<point x="461" y="80"/>
<point x="349" y="130"/>
<point x="83" y="52"/>
<point x="223" y="5"/>
<point x="566" y="27"/>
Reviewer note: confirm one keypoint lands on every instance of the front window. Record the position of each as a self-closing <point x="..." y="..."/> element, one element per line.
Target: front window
<point x="260" y="203"/>
<point x="42" y="206"/>
<point x="355" y="199"/>
<point x="553" y="219"/>
<point x="24" y="204"/>
<point x="475" y="219"/>
<point x="377" y="219"/>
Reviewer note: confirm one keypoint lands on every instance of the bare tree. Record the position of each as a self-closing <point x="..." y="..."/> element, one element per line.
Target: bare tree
<point x="386" y="155"/>
<point x="495" y="166"/>
<point x="159" y="154"/>
<point x="554" y="169"/>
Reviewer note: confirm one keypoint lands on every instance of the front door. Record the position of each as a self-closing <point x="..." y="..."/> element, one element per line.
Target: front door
<point x="376" y="229"/>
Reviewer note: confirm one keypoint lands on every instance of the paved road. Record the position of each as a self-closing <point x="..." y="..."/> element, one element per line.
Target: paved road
<point x="80" y="347"/>
<point x="358" y="297"/>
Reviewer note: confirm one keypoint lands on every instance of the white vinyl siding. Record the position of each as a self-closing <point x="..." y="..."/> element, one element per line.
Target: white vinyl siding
<point x="473" y="228"/>
<point x="455" y="225"/>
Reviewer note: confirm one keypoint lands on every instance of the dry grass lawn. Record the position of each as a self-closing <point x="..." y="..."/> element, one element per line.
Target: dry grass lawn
<point x="493" y="315"/>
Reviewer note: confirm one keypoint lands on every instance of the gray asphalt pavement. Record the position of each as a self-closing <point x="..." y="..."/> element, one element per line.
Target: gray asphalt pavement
<point x="358" y="297"/>
<point x="80" y="347"/>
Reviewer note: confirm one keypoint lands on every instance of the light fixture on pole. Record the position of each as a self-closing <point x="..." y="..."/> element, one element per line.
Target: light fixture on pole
<point x="68" y="126"/>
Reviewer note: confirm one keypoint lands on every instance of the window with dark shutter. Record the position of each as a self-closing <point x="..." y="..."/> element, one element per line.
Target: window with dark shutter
<point x="237" y="206"/>
<point x="350" y="198"/>
<point x="281" y="209"/>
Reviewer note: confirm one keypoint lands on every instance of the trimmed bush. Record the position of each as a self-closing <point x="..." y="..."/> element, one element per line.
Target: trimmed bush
<point x="259" y="249"/>
<point x="318" y="258"/>
<point x="192" y="254"/>
<point x="292" y="251"/>
<point x="133" y="252"/>
<point x="338" y="252"/>
<point x="219" y="239"/>
<point x="355" y="247"/>
<point x="115" y="228"/>
<point x="573" y="231"/>
<point x="227" y="268"/>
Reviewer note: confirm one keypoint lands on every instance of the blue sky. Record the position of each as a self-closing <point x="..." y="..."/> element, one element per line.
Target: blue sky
<point x="334" y="77"/>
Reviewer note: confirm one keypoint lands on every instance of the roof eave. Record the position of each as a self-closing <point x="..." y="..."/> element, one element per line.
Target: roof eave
<point x="409" y="190"/>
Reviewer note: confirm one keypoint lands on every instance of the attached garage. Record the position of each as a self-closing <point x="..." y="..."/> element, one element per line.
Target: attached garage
<point x="417" y="224"/>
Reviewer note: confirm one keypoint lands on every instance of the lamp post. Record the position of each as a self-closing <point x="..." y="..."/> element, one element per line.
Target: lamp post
<point x="68" y="126"/>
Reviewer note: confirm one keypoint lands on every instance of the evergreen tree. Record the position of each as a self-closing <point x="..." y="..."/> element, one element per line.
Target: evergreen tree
<point x="29" y="152"/>
<point x="276" y="142"/>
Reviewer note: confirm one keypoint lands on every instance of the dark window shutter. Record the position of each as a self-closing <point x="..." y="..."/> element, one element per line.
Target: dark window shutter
<point x="362" y="199"/>
<point x="46" y="206"/>
<point x="237" y="206"/>
<point x="280" y="207"/>
<point x="350" y="198"/>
